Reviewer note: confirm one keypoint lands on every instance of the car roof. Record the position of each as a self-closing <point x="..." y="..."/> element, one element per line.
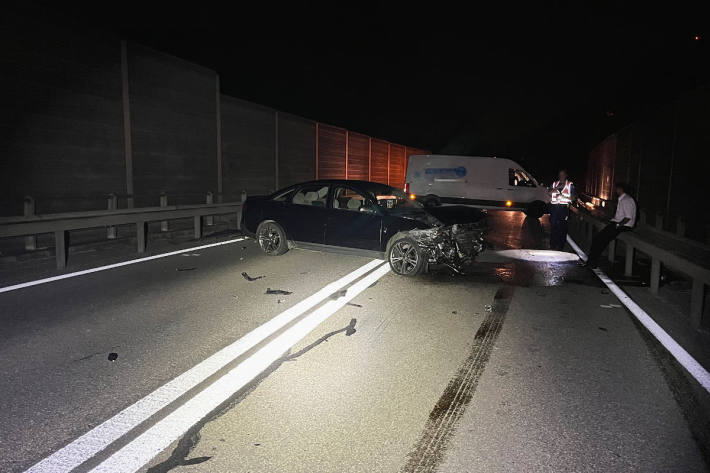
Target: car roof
<point x="353" y="182"/>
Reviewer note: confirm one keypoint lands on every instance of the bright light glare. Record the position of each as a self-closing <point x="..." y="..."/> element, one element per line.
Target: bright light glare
<point x="508" y="203"/>
<point x="546" y="256"/>
<point x="412" y="196"/>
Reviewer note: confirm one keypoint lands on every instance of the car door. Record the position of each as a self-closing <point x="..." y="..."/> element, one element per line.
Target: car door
<point x="305" y="216"/>
<point x="354" y="220"/>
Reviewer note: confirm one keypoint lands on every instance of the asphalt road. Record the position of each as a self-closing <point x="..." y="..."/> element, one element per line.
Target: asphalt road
<point x="515" y="366"/>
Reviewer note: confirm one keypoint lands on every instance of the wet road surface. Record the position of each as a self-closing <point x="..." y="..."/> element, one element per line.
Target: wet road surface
<point x="514" y="366"/>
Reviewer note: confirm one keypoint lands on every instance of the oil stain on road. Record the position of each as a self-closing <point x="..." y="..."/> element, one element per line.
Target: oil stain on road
<point x="443" y="419"/>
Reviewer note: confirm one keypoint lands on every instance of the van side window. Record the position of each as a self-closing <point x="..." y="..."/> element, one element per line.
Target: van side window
<point x="520" y="178"/>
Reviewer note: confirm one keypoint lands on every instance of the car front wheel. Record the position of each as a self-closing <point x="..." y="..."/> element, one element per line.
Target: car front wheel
<point x="405" y="257"/>
<point x="271" y="238"/>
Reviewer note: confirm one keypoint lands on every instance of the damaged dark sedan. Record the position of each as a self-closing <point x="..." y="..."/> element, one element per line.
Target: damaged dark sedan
<point x="365" y="218"/>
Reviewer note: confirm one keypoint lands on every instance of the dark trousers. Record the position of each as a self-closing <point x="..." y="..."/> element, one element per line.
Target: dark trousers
<point x="558" y="226"/>
<point x="602" y="239"/>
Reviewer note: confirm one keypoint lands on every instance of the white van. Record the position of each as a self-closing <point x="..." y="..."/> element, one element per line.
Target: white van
<point x="492" y="183"/>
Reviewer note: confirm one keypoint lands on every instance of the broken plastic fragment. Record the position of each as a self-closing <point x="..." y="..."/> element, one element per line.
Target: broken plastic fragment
<point x="339" y="294"/>
<point x="249" y="278"/>
<point x="277" y="291"/>
<point x="112" y="356"/>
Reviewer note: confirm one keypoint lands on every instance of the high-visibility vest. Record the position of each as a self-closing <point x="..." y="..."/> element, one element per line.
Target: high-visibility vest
<point x="564" y="197"/>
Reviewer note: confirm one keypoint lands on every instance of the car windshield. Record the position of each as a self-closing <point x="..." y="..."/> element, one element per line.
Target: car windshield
<point x="391" y="198"/>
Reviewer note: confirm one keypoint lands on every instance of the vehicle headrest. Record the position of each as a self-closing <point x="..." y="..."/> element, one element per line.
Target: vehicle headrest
<point x="299" y="199"/>
<point x="311" y="196"/>
<point x="354" y="204"/>
<point x="323" y="192"/>
<point x="336" y="204"/>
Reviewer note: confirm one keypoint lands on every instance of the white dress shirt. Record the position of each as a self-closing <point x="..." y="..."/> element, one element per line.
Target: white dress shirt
<point x="625" y="208"/>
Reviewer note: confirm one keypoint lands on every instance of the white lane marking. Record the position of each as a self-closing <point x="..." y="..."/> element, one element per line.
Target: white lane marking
<point x="115" y="265"/>
<point x="98" y="438"/>
<point x="157" y="438"/>
<point x="685" y="359"/>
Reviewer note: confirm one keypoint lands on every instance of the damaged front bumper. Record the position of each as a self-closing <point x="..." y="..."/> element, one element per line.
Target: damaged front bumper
<point x="453" y="245"/>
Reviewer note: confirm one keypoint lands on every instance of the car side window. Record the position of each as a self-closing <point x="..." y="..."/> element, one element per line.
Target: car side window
<point x="345" y="198"/>
<point x="284" y="196"/>
<point x="314" y="195"/>
<point x="519" y="178"/>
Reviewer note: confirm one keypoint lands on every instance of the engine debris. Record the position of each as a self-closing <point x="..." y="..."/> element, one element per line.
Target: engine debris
<point x="277" y="291"/>
<point x="249" y="278"/>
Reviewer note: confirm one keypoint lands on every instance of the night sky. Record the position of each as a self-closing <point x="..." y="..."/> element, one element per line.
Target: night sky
<point x="540" y="85"/>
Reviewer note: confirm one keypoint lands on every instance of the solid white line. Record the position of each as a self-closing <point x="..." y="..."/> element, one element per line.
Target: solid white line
<point x="98" y="438"/>
<point x="157" y="438"/>
<point x="112" y="266"/>
<point x="685" y="359"/>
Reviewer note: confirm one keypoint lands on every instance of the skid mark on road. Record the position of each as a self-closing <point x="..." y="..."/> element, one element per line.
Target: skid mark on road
<point x="429" y="450"/>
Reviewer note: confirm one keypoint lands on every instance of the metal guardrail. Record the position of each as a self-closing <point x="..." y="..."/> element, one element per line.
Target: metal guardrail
<point x="700" y="275"/>
<point x="61" y="223"/>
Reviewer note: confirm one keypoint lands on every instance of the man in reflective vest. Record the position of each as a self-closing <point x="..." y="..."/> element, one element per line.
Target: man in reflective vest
<point x="562" y="193"/>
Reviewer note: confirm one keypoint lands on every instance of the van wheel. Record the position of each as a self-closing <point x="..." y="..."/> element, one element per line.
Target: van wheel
<point x="535" y="209"/>
<point x="271" y="238"/>
<point x="431" y="201"/>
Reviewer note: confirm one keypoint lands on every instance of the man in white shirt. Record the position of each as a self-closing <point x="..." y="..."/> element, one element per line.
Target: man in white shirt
<point x="623" y="221"/>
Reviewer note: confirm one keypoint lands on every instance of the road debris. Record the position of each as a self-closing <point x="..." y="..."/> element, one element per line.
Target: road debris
<point x="354" y="305"/>
<point x="489" y="308"/>
<point x="610" y="306"/>
<point x="277" y="291"/>
<point x="249" y="278"/>
<point x="191" y="254"/>
<point x="113" y="356"/>
<point x="603" y="329"/>
<point x="339" y="294"/>
<point x="185" y="269"/>
<point x="454" y="312"/>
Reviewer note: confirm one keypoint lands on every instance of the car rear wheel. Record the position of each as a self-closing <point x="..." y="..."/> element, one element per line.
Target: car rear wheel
<point x="535" y="209"/>
<point x="405" y="257"/>
<point x="271" y="238"/>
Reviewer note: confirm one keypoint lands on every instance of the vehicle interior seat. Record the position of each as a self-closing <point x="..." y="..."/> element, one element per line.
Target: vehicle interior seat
<point x="354" y="204"/>
<point x="299" y="199"/>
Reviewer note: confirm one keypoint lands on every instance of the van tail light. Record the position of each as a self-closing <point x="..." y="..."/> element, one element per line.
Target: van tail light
<point x="406" y="188"/>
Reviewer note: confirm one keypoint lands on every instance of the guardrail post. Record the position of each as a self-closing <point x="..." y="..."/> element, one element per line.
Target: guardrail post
<point x="164" y="203"/>
<point x="680" y="227"/>
<point x="655" y="275"/>
<point x="29" y="210"/>
<point x="629" y="261"/>
<point x="659" y="221"/>
<point x="60" y="248"/>
<point x="590" y="232"/>
<point x="140" y="235"/>
<point x="697" y="303"/>
<point x="111" y="204"/>
<point x="198" y="227"/>
<point x="209" y="220"/>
